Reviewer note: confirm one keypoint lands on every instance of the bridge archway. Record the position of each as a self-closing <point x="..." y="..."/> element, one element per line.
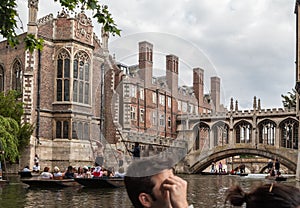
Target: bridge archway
<point x="202" y="162"/>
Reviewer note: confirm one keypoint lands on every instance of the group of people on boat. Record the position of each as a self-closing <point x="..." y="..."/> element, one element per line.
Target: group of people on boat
<point x="274" y="168"/>
<point x="80" y="172"/>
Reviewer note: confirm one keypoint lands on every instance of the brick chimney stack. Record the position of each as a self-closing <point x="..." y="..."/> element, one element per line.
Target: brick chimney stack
<point x="215" y="92"/>
<point x="198" y="84"/>
<point x="172" y="73"/>
<point x="146" y="62"/>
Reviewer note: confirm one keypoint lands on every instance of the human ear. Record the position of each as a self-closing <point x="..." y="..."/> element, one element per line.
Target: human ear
<point x="145" y="199"/>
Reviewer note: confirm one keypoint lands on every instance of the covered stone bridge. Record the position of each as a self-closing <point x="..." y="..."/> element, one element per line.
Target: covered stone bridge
<point x="199" y="160"/>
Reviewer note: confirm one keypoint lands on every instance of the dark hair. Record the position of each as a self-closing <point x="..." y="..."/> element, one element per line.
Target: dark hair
<point x="139" y="174"/>
<point x="46" y="169"/>
<point x="265" y="196"/>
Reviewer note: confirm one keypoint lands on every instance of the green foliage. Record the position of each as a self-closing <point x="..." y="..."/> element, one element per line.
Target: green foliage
<point x="14" y="135"/>
<point x="8" y="23"/>
<point x="289" y="101"/>
<point x="32" y="43"/>
<point x="9" y="14"/>
<point x="9" y="129"/>
<point x="9" y="107"/>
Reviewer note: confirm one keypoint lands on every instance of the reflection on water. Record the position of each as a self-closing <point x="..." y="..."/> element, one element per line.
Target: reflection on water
<point x="203" y="191"/>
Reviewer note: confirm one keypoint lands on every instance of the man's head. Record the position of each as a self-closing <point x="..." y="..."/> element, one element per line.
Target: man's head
<point x="144" y="179"/>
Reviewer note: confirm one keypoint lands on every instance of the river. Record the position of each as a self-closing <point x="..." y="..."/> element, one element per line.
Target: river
<point x="203" y="192"/>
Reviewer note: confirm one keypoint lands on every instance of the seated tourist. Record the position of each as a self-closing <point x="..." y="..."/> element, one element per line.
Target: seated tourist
<point x="87" y="172"/>
<point x="120" y="173"/>
<point x="36" y="168"/>
<point x="69" y="174"/>
<point x="26" y="169"/>
<point x="46" y="174"/>
<point x="56" y="173"/>
<point x="97" y="172"/>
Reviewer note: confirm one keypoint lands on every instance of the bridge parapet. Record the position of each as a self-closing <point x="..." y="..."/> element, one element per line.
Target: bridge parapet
<point x="240" y="113"/>
<point x="198" y="161"/>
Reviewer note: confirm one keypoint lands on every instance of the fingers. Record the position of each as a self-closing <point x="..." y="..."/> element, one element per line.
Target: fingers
<point x="177" y="190"/>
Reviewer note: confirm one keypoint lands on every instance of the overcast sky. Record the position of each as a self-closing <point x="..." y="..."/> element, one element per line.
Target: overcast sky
<point x="249" y="44"/>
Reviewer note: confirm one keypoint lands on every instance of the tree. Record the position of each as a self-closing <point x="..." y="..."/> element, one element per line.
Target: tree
<point x="289" y="100"/>
<point x="9" y="17"/>
<point x="14" y="135"/>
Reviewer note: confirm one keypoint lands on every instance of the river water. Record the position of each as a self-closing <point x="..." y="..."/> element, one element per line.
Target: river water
<point x="203" y="192"/>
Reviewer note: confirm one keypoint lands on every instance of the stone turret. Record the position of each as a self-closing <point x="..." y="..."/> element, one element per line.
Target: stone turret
<point x="32" y="16"/>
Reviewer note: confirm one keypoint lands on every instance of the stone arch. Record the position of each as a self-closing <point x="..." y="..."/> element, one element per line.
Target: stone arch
<point x="267" y="132"/>
<point x="243" y="131"/>
<point x="206" y="161"/>
<point x="220" y="133"/>
<point x="201" y="132"/>
<point x="289" y="133"/>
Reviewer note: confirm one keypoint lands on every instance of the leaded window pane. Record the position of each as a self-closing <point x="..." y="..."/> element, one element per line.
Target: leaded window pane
<point x="86" y="93"/>
<point x="81" y="70"/>
<point x="75" y="91"/>
<point x="66" y="90"/>
<point x="75" y="73"/>
<point x="59" y="68"/>
<point x="67" y="68"/>
<point x="74" y="130"/>
<point x="58" y="129"/>
<point x="66" y="130"/>
<point x="59" y="90"/>
<point x="81" y="92"/>
<point x="87" y="72"/>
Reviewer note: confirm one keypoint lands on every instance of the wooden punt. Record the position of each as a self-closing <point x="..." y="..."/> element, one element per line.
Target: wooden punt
<point x="214" y="173"/>
<point x="27" y="174"/>
<point x="276" y="178"/>
<point x="101" y="182"/>
<point x="50" y="183"/>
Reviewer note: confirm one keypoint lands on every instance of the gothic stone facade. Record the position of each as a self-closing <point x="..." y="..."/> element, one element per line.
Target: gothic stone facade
<point x="65" y="104"/>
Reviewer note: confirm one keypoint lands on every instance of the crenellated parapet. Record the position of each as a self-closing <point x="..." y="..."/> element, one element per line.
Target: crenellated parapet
<point x="45" y="19"/>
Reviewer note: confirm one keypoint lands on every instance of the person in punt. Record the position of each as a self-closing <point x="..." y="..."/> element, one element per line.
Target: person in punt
<point x="97" y="172"/>
<point x="120" y="173"/>
<point x="86" y="171"/>
<point x="46" y="174"/>
<point x="69" y="174"/>
<point x="57" y="174"/>
<point x="26" y="169"/>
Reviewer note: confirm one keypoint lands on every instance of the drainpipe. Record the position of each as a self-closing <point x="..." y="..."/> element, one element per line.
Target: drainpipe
<point x="37" y="130"/>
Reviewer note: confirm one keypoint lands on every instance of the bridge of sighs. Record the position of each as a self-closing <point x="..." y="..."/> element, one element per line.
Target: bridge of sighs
<point x="269" y="133"/>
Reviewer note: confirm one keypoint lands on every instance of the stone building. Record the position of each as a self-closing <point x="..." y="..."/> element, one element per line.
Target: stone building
<point x="60" y="85"/>
<point x="146" y="107"/>
<point x="82" y="101"/>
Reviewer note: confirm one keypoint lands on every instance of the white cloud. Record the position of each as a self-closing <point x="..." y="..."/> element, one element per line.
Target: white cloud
<point x="250" y="43"/>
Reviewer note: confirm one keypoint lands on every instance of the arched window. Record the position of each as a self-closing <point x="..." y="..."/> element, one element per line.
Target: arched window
<point x="81" y="78"/>
<point x="267" y="132"/>
<point x="1" y="78"/>
<point x="243" y="131"/>
<point x="220" y="132"/>
<point x="202" y="136"/>
<point x="17" y="76"/>
<point x="63" y="76"/>
<point x="289" y="134"/>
